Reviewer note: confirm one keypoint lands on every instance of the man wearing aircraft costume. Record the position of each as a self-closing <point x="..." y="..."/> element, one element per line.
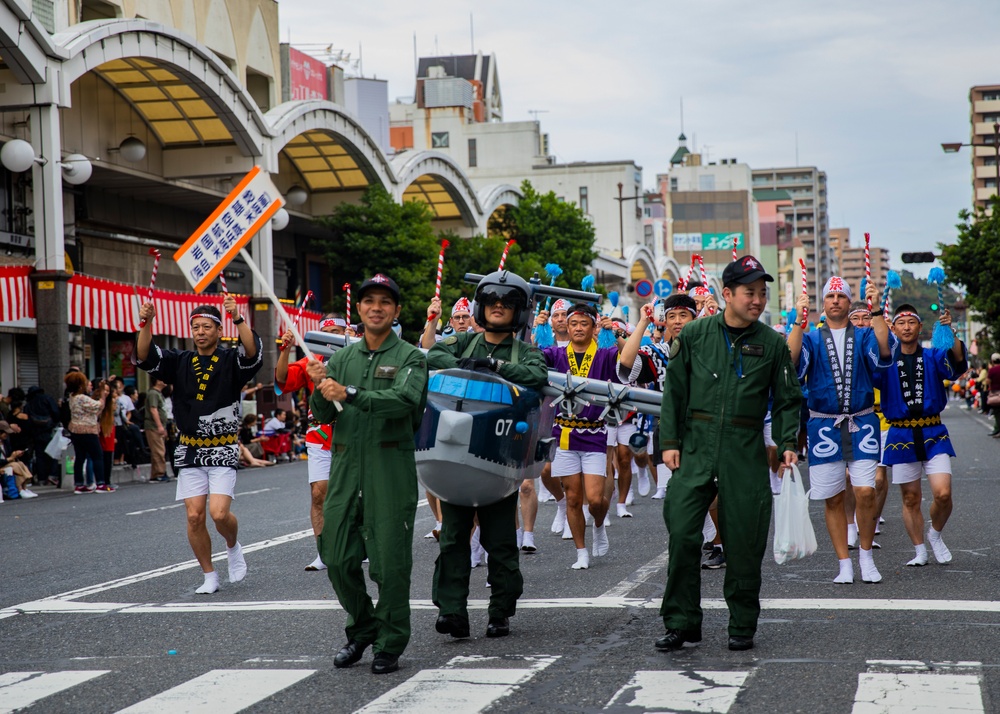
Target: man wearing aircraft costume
<point x="502" y="308"/>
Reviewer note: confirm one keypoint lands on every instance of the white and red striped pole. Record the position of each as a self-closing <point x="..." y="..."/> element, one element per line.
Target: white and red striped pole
<point x="868" y="268"/>
<point x="152" y="281"/>
<point x="736" y="241"/>
<point x="347" y="287"/>
<point x="704" y="279"/>
<point x="805" y="291"/>
<point x="506" y="250"/>
<point x="437" y="284"/>
<point x="690" y="273"/>
<point x="298" y="316"/>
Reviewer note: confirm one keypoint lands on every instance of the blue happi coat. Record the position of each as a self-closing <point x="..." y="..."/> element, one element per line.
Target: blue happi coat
<point x="830" y="441"/>
<point x="909" y="444"/>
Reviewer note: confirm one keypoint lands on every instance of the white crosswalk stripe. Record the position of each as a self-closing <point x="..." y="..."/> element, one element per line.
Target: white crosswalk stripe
<point x="456" y="689"/>
<point x="476" y="683"/>
<point x="221" y="691"/>
<point x="911" y="687"/>
<point x="687" y="691"/>
<point x="22" y="689"/>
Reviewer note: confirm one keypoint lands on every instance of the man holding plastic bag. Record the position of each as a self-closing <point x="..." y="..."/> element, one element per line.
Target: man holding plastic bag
<point x="722" y="369"/>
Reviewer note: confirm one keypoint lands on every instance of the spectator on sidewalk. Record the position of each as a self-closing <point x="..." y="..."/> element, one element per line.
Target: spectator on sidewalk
<point x="155" y="426"/>
<point x="40" y="418"/>
<point x="993" y="387"/>
<point x="14" y="460"/>
<point x="106" y="422"/>
<point x="84" y="431"/>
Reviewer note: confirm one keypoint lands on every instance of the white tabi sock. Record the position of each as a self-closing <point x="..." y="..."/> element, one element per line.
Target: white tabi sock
<point x="642" y="481"/>
<point x="852" y="535"/>
<point x="623" y="511"/>
<point x="559" y="522"/>
<point x="237" y="563"/>
<point x="211" y="584"/>
<point x="921" y="557"/>
<point x="520" y="538"/>
<point x="869" y="573"/>
<point x="941" y="552"/>
<point x="582" y="559"/>
<point x="528" y="544"/>
<point x="846" y="576"/>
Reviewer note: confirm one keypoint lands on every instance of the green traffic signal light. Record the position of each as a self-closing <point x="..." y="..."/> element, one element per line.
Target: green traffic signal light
<point x="934" y="306"/>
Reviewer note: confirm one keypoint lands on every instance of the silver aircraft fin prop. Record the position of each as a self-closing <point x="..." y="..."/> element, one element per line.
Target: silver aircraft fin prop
<point x="571" y="394"/>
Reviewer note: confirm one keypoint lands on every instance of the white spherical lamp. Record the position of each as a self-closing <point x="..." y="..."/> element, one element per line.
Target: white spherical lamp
<point x="132" y="149"/>
<point x="279" y="221"/>
<point x="76" y="169"/>
<point x="296" y="196"/>
<point x="17" y="155"/>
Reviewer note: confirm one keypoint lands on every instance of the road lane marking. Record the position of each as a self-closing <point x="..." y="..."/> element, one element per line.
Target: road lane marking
<point x="639" y="576"/>
<point x="178" y="567"/>
<point x="181" y="503"/>
<point x="880" y="693"/>
<point x="50" y="606"/>
<point x="457" y="689"/>
<point x="22" y="689"/>
<point x="221" y="691"/>
<point x="670" y="691"/>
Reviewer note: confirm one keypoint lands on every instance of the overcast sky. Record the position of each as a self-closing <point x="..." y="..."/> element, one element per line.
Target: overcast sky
<point x="871" y="89"/>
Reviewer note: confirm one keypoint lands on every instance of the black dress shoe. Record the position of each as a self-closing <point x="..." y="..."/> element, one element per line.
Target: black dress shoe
<point x="349" y="654"/>
<point x="454" y="625"/>
<point x="498" y="627"/>
<point x="385" y="663"/>
<point x="739" y="643"/>
<point x="675" y="639"/>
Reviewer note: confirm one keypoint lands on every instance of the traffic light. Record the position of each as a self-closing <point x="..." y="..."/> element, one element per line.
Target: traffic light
<point x="918" y="257"/>
<point x="934" y="307"/>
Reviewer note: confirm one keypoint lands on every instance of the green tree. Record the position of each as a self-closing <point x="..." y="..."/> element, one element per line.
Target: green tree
<point x="547" y="230"/>
<point x="973" y="261"/>
<point x="379" y="235"/>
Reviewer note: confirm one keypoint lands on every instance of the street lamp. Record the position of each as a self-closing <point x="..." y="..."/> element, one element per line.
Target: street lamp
<point x="954" y="147"/>
<point x="621" y="215"/>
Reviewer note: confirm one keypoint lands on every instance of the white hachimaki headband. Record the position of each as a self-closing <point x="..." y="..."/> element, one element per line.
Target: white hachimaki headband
<point x="906" y="313"/>
<point x="207" y="316"/>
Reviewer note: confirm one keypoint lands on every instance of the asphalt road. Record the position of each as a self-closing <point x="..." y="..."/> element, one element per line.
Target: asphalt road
<point x="97" y="592"/>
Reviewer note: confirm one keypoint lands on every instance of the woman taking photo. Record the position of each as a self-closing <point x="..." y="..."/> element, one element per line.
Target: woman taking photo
<point x="85" y="431"/>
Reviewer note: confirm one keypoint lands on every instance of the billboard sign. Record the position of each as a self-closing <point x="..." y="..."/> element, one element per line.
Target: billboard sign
<point x="695" y="242"/>
<point x="307" y="76"/>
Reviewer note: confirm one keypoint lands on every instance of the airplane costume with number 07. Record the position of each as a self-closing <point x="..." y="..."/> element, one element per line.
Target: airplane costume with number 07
<point x="482" y="435"/>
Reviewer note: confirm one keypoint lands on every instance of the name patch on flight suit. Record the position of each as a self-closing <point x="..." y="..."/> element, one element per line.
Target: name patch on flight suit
<point x="752" y="350"/>
<point x="386" y="371"/>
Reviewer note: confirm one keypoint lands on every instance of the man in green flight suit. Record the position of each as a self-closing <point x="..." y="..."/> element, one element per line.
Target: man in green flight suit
<point x="722" y="370"/>
<point x="502" y="309"/>
<point x="381" y="384"/>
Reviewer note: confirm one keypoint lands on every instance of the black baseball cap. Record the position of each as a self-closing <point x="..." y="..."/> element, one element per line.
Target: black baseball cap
<point x="380" y="281"/>
<point x="744" y="270"/>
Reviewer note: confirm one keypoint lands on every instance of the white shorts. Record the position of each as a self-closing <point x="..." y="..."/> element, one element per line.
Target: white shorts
<point x="827" y="480"/>
<point x="319" y="462"/>
<point x="195" y="481"/>
<point x="768" y="441"/>
<point x="621" y="434"/>
<point x="907" y="473"/>
<point x="571" y="463"/>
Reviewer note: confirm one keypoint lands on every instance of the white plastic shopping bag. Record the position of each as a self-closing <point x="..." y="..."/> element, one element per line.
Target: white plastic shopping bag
<point x="794" y="536"/>
<point x="57" y="444"/>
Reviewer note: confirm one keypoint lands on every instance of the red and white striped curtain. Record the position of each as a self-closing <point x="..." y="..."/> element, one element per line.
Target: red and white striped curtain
<point x="15" y="293"/>
<point x="106" y="305"/>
